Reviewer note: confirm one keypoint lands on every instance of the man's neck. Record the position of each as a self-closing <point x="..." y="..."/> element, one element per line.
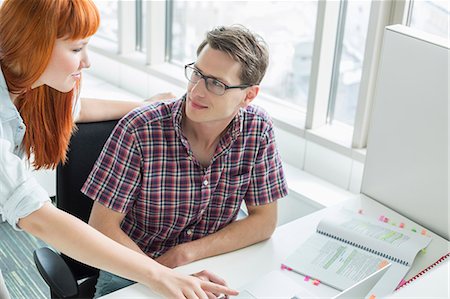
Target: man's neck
<point x="204" y="134"/>
<point x="204" y="138"/>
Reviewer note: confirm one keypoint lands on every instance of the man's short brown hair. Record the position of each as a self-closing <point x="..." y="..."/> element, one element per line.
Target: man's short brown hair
<point x="245" y="47"/>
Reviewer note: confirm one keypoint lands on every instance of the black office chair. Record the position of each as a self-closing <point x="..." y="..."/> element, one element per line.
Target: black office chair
<point x="66" y="277"/>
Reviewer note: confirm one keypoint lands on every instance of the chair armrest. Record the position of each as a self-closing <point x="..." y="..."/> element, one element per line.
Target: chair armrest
<point x="55" y="272"/>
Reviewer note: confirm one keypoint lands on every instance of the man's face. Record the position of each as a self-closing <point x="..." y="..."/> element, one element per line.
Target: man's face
<point x="203" y="106"/>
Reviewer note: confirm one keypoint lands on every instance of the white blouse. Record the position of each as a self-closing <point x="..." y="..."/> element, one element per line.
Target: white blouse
<point x="20" y="193"/>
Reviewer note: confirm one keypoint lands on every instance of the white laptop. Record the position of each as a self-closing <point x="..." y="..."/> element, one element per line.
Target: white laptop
<point x="277" y="285"/>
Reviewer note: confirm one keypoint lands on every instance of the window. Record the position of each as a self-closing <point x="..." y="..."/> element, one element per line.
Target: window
<point x="109" y="20"/>
<point x="290" y="38"/>
<point x="141" y="24"/>
<point x="353" y="25"/>
<point x="431" y="16"/>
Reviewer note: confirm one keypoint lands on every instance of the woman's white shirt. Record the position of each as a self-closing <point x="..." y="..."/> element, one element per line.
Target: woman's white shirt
<point x="20" y="193"/>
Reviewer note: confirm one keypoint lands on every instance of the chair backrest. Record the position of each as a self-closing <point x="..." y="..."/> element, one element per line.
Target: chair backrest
<point x="84" y="149"/>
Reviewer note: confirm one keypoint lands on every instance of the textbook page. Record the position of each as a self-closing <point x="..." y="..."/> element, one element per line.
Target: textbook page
<point x="394" y="243"/>
<point x="336" y="263"/>
<point x="348" y="247"/>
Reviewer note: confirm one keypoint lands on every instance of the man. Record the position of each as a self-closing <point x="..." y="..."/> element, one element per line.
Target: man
<point x="171" y="178"/>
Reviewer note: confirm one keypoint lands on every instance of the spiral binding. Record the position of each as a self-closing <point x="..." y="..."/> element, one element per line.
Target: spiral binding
<point x="440" y="260"/>
<point x="394" y="259"/>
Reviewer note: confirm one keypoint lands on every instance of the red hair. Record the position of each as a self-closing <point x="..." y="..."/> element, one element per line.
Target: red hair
<point x="28" y="31"/>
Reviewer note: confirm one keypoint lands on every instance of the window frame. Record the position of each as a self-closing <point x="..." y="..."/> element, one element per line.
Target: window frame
<point x="310" y="123"/>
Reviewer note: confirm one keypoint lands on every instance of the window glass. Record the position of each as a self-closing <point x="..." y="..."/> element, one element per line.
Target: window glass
<point x="431" y="16"/>
<point x="350" y="64"/>
<point x="108" y="29"/>
<point x="287" y="27"/>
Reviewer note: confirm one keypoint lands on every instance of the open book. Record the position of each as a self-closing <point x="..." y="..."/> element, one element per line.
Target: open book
<point x="348" y="247"/>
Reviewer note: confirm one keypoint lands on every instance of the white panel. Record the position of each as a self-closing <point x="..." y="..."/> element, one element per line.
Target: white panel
<point x="293" y="207"/>
<point x="133" y="80"/>
<point x="99" y="89"/>
<point x="356" y="177"/>
<point x="291" y="147"/>
<point x="406" y="162"/>
<point x="156" y="85"/>
<point x="104" y="67"/>
<point x="327" y="164"/>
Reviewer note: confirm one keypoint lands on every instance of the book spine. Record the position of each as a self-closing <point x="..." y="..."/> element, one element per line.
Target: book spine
<point x="440" y="260"/>
<point x="391" y="258"/>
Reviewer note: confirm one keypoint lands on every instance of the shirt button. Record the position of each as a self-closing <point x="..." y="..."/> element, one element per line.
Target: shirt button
<point x="205" y="182"/>
<point x="16" y="147"/>
<point x="189" y="232"/>
<point x="20" y="127"/>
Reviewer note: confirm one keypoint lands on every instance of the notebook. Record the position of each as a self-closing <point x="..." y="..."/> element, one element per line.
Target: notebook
<point x="347" y="247"/>
<point x="277" y="285"/>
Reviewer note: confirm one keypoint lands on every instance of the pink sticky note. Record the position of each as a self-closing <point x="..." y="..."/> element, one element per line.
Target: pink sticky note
<point x="402" y="282"/>
<point x="401" y="225"/>
<point x="386" y="220"/>
<point x="424" y="232"/>
<point x="306" y="278"/>
<point x="381" y="218"/>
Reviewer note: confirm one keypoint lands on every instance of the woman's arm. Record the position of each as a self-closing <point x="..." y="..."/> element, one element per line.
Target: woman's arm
<point x="81" y="242"/>
<point x="93" y="110"/>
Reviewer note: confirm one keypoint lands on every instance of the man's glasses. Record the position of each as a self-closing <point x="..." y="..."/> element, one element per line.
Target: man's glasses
<point x="212" y="84"/>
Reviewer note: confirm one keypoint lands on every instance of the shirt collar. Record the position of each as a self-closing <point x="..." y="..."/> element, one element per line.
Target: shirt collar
<point x="234" y="129"/>
<point x="7" y="108"/>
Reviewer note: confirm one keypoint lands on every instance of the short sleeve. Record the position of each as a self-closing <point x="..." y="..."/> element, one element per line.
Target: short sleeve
<point x="20" y="193"/>
<point x="115" y="179"/>
<point x="267" y="182"/>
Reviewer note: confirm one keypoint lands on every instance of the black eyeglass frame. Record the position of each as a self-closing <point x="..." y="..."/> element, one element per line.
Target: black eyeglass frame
<point x="226" y="87"/>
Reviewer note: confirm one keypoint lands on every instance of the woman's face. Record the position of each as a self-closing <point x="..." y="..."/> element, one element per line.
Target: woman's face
<point x="68" y="58"/>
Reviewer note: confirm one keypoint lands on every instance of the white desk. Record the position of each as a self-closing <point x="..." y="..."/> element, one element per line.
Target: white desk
<point x="243" y="266"/>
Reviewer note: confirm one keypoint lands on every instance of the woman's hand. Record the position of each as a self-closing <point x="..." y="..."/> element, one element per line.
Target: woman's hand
<point x="206" y="285"/>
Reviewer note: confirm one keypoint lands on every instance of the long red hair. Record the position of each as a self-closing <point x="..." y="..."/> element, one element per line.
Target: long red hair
<point x="28" y="31"/>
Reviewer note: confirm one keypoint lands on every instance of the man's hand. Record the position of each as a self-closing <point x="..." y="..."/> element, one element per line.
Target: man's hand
<point x="164" y="96"/>
<point x="175" y="256"/>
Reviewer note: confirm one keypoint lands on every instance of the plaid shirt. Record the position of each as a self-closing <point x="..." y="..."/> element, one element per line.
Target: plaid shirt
<point x="147" y="170"/>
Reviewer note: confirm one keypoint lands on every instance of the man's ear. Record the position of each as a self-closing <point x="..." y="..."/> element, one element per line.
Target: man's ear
<point x="250" y="95"/>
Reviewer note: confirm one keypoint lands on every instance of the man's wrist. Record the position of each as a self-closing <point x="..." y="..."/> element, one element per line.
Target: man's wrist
<point x="187" y="253"/>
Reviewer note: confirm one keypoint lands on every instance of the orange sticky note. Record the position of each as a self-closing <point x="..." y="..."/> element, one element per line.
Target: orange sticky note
<point x="316" y="282"/>
<point x="424" y="232"/>
<point x="401" y="225"/>
<point x="372" y="296"/>
<point x="382" y="264"/>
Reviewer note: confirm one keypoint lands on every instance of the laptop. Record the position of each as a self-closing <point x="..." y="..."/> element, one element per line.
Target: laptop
<point x="277" y="285"/>
<point x="362" y="288"/>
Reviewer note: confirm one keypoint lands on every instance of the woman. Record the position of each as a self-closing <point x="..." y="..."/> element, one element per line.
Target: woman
<point x="42" y="52"/>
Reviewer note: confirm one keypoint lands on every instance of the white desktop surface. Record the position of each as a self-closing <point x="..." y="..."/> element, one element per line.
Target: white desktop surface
<point x="241" y="267"/>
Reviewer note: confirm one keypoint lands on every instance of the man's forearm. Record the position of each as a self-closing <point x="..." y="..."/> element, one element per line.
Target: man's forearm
<point x="236" y="235"/>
